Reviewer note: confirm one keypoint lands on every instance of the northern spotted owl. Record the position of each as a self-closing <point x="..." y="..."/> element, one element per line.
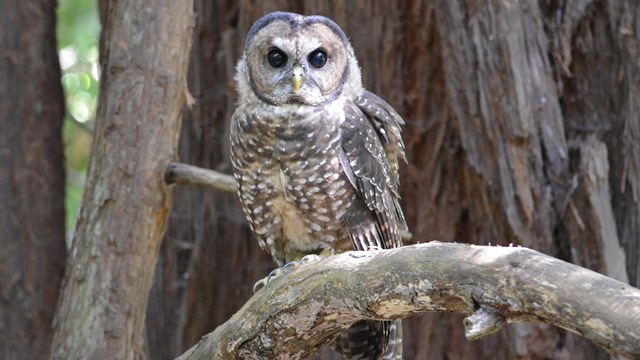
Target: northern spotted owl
<point x="316" y="155"/>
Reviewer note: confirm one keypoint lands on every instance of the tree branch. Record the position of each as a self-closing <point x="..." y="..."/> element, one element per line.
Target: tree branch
<point x="306" y="308"/>
<point x="183" y="174"/>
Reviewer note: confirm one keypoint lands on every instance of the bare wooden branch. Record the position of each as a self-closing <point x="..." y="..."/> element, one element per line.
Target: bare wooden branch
<point x="183" y="174"/>
<point x="304" y="309"/>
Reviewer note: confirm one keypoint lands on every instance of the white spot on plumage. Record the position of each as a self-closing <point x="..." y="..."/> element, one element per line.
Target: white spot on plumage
<point x="336" y="204"/>
<point x="331" y="176"/>
<point x="329" y="238"/>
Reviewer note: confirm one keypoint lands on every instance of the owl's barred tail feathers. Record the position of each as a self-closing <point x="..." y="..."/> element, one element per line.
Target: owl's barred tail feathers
<point x="394" y="347"/>
<point x="371" y="340"/>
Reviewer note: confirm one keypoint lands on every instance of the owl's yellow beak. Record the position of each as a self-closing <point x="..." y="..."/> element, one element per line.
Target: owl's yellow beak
<point x="297" y="79"/>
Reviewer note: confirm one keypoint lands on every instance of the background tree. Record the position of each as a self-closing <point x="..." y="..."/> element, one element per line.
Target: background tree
<point x="144" y="55"/>
<point x="522" y="126"/>
<point x="31" y="178"/>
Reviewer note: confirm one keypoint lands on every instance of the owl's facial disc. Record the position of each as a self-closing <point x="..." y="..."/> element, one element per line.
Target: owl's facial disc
<point x="296" y="59"/>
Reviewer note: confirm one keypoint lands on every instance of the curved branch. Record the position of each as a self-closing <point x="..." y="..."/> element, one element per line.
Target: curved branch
<point x="306" y="308"/>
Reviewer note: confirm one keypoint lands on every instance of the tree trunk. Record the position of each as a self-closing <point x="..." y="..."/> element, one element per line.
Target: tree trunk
<point x="126" y="202"/>
<point x="522" y="125"/>
<point x="32" y="246"/>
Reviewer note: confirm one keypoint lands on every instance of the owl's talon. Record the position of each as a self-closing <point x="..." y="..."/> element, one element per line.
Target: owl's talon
<point x="308" y="259"/>
<point x="287" y="268"/>
<point x="290" y="266"/>
<point x="275" y="273"/>
<point x="260" y="284"/>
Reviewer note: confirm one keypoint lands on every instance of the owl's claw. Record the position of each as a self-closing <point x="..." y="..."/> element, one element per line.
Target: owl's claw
<point x="261" y="283"/>
<point x="308" y="259"/>
<point x="272" y="275"/>
<point x="287" y="268"/>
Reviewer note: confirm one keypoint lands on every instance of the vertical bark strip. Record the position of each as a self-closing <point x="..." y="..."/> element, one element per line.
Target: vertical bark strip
<point x="625" y="23"/>
<point x="126" y="203"/>
<point x="502" y="93"/>
<point x="31" y="178"/>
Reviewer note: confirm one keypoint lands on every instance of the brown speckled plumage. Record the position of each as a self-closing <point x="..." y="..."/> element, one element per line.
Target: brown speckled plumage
<point x="317" y="168"/>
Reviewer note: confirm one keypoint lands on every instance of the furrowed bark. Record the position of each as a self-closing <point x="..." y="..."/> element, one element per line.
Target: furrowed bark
<point x="32" y="247"/>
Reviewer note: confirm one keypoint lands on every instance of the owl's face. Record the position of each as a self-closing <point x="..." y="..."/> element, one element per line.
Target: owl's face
<point x="294" y="59"/>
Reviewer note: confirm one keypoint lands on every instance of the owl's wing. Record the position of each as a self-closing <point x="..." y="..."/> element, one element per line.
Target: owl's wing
<point x="372" y="147"/>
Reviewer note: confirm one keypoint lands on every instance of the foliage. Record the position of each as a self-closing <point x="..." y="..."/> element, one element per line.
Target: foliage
<point x="78" y="29"/>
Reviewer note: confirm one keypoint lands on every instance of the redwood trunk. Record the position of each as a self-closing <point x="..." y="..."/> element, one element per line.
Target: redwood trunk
<point x="32" y="246"/>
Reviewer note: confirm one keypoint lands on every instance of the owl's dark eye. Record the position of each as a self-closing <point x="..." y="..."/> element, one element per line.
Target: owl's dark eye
<point x="317" y="58"/>
<point x="276" y="58"/>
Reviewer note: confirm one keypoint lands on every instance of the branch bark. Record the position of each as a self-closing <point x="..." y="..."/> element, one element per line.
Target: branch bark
<point x="183" y="174"/>
<point x="304" y="309"/>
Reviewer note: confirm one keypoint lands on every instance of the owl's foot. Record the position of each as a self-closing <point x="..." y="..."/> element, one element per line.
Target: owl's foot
<point x="287" y="268"/>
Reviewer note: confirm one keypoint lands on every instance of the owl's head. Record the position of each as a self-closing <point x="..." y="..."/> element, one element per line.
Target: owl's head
<point x="294" y="59"/>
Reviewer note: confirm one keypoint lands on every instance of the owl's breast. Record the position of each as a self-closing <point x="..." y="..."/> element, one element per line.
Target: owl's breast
<point x="293" y="189"/>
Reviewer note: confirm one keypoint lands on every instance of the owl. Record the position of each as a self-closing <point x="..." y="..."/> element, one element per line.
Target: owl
<point x="316" y="155"/>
